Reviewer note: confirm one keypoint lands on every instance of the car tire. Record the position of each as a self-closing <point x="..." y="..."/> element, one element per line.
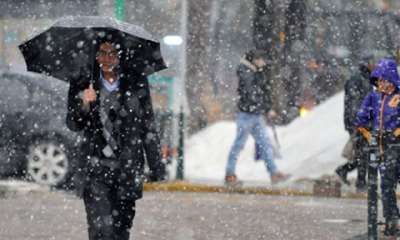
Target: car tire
<point x="48" y="163"/>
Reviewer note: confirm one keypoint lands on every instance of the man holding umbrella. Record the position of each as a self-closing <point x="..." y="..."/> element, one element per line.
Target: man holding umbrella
<point x="109" y="100"/>
<point x="112" y="181"/>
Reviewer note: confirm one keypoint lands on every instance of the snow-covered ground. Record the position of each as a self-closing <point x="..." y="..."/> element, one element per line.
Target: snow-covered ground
<point x="311" y="147"/>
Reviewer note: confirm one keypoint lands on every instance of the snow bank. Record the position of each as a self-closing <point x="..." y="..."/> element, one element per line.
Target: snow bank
<point x="311" y="147"/>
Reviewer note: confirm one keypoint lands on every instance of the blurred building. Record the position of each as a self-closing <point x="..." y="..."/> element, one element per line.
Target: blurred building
<point x="328" y="41"/>
<point x="19" y="19"/>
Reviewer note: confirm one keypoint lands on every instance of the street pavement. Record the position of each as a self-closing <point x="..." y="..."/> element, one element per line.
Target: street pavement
<point x="59" y="215"/>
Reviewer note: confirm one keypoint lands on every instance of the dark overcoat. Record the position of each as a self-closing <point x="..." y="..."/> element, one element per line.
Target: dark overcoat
<point x="139" y="138"/>
<point x="355" y="90"/>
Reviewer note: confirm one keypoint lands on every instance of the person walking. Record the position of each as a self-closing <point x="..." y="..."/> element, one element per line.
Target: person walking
<point x="355" y="90"/>
<point x="252" y="106"/>
<point x="382" y="108"/>
<point x="114" y="111"/>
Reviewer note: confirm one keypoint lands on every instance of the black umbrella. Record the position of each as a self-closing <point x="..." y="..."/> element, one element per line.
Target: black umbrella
<point x="66" y="49"/>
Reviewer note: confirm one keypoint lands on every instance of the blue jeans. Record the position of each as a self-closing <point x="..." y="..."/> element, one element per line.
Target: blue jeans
<point x="251" y="124"/>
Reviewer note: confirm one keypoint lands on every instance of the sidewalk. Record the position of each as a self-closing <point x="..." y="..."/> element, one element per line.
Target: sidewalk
<point x="303" y="187"/>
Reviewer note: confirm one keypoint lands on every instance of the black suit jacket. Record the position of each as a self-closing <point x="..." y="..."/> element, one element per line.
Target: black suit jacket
<point x="138" y="134"/>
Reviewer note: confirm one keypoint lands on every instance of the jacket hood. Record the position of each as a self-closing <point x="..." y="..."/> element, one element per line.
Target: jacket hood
<point x="385" y="69"/>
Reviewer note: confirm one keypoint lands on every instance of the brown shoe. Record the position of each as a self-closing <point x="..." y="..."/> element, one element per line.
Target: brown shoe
<point x="232" y="181"/>
<point x="383" y="228"/>
<point x="279" y="177"/>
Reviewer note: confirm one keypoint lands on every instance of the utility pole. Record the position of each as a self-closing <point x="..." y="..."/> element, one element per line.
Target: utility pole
<point x="119" y="9"/>
<point x="184" y="18"/>
<point x="373" y="163"/>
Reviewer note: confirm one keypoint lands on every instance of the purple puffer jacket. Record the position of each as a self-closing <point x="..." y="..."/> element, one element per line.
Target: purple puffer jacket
<point x="380" y="108"/>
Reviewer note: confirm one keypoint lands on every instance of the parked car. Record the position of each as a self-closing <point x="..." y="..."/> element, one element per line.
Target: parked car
<point x="34" y="140"/>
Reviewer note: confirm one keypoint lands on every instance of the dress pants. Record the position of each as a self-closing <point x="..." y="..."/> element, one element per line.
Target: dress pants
<point x="108" y="217"/>
<point x="390" y="172"/>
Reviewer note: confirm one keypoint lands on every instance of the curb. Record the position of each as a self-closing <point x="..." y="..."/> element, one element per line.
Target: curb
<point x="183" y="186"/>
<point x="7" y="188"/>
<point x="3" y="191"/>
<point x="20" y="188"/>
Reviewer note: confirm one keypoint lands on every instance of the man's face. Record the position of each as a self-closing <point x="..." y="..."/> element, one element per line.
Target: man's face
<point x="108" y="57"/>
<point x="259" y="62"/>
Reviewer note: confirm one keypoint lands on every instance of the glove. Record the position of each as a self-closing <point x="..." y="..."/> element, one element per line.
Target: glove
<point x="157" y="178"/>
<point x="365" y="133"/>
<point x="397" y="132"/>
<point x="160" y="176"/>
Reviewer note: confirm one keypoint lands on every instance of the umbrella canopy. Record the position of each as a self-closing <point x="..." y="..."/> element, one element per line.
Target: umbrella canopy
<point x="67" y="48"/>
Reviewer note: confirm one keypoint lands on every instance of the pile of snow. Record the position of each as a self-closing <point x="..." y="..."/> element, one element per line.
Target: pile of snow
<point x="311" y="147"/>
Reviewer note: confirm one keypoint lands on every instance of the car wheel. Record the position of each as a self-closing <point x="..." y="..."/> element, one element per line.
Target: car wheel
<point x="48" y="163"/>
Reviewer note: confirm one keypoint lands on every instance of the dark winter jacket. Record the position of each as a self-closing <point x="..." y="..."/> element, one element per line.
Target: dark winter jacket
<point x="382" y="109"/>
<point x="253" y="97"/>
<point x="355" y="90"/>
<point x="138" y="135"/>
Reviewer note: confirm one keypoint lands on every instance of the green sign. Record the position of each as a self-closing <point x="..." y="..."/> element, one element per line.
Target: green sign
<point x="119" y="9"/>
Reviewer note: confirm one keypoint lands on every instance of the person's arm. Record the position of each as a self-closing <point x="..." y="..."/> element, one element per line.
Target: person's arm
<point x="267" y="96"/>
<point x="78" y="114"/>
<point x="396" y="131"/>
<point x="348" y="111"/>
<point x="364" y="116"/>
<point x="150" y="138"/>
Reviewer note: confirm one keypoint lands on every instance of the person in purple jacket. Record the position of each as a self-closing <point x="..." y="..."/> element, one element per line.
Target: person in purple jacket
<point x="381" y="107"/>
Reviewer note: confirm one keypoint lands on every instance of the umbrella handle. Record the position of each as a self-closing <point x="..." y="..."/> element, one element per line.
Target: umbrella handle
<point x="94" y="122"/>
<point x="93" y="62"/>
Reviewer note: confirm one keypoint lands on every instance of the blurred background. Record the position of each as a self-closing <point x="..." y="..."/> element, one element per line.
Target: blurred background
<point x="311" y="46"/>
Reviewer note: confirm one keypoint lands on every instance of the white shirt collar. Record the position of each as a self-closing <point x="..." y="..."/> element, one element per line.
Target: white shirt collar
<point x="108" y="85"/>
